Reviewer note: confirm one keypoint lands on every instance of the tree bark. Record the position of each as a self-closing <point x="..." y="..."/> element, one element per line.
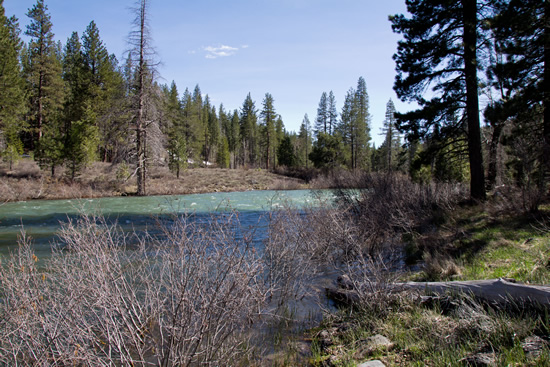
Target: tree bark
<point x="477" y="179"/>
<point x="546" y="92"/>
<point x="492" y="170"/>
<point x="140" y="124"/>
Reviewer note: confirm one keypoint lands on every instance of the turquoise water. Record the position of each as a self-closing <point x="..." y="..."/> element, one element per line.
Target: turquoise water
<point x="40" y="219"/>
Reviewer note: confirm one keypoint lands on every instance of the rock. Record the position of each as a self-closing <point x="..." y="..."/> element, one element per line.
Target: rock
<point x="480" y="360"/>
<point x="533" y="346"/>
<point x="373" y="344"/>
<point x="325" y="337"/>
<point x="374" y="363"/>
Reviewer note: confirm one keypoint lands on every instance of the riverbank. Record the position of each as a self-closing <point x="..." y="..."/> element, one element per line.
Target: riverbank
<point x="27" y="182"/>
<point x="400" y="328"/>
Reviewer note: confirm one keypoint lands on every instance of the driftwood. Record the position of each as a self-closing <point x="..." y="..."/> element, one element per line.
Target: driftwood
<point x="498" y="292"/>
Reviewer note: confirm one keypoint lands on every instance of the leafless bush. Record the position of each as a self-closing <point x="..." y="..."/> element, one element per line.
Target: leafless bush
<point x="510" y="199"/>
<point x="187" y="297"/>
<point x="360" y="234"/>
<point x="390" y="204"/>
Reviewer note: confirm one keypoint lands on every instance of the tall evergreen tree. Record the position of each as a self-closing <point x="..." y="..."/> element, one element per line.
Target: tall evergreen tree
<point x="80" y="133"/>
<point x="105" y="90"/>
<point x="213" y="133"/>
<point x="43" y="72"/>
<point x="332" y="113"/>
<point x="177" y="147"/>
<point x="195" y="123"/>
<point x="12" y="94"/>
<point x="440" y="50"/>
<point x="392" y="142"/>
<point x="361" y="127"/>
<point x="233" y="138"/>
<point x="345" y="129"/>
<point x="285" y="152"/>
<point x="522" y="30"/>
<point x="46" y="88"/>
<point x="304" y="141"/>
<point x="322" y="120"/>
<point x="248" y="128"/>
<point x="268" y="133"/>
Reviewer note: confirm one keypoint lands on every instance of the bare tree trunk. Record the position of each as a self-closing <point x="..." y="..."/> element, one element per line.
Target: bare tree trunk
<point x="477" y="180"/>
<point x="492" y="170"/>
<point x="546" y="92"/>
<point x="140" y="124"/>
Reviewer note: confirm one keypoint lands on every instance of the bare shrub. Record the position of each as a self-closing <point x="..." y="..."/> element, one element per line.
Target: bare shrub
<point x="509" y="199"/>
<point x="186" y="297"/>
<point x="358" y="235"/>
<point x="390" y="204"/>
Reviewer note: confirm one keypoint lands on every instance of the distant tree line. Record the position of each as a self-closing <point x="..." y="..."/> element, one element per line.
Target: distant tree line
<point x="74" y="103"/>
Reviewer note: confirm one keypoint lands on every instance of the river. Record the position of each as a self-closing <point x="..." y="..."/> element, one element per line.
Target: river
<point x="41" y="219"/>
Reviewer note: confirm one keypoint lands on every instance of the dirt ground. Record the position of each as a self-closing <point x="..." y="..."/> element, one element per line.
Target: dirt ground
<point x="26" y="181"/>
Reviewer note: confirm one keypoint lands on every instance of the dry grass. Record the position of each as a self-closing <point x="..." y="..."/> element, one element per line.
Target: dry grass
<point x="26" y="182"/>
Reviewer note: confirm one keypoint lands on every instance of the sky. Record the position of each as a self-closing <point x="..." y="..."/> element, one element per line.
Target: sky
<point x="293" y="49"/>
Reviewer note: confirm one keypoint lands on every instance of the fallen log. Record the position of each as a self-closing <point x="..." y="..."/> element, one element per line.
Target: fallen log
<point x="497" y="292"/>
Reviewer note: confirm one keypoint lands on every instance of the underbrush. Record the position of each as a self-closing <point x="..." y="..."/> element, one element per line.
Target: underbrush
<point x="443" y="237"/>
<point x="198" y="293"/>
<point x="190" y="294"/>
<point x="469" y="334"/>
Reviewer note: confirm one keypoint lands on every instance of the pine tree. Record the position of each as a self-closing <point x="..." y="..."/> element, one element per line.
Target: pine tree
<point x="304" y="141"/>
<point x="104" y="89"/>
<point x="81" y="142"/>
<point x="322" y="120"/>
<point x="223" y="158"/>
<point x="234" y="138"/>
<point x="12" y="95"/>
<point x="175" y="130"/>
<point x="268" y="133"/>
<point x="345" y="128"/>
<point x="392" y="142"/>
<point x="248" y="131"/>
<point x="195" y="131"/>
<point x="327" y="151"/>
<point x="332" y="114"/>
<point x="80" y="135"/>
<point x="213" y="132"/>
<point x="440" y="50"/>
<point x="522" y="32"/>
<point x="285" y="152"/>
<point x="279" y="136"/>
<point x="43" y="72"/>
<point x="360" y="128"/>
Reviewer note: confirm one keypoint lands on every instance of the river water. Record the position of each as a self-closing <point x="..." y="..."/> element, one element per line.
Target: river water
<point x="40" y="219"/>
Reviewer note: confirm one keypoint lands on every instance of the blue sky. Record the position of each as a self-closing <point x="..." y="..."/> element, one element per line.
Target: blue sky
<point x="293" y="49"/>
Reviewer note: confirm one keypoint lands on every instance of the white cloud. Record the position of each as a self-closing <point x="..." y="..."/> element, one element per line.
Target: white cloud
<point x="213" y="52"/>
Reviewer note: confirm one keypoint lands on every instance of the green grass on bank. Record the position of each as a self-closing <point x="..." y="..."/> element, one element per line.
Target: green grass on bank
<point x="476" y="245"/>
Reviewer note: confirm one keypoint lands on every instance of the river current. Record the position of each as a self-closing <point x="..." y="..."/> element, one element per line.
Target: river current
<point x="41" y="219"/>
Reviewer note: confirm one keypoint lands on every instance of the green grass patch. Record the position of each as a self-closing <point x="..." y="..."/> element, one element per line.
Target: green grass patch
<point x="482" y="246"/>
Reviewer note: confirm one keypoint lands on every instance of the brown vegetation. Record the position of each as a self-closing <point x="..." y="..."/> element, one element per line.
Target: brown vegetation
<point x="26" y="181"/>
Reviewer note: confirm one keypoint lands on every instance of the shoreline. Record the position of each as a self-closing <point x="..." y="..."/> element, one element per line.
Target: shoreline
<point x="26" y="182"/>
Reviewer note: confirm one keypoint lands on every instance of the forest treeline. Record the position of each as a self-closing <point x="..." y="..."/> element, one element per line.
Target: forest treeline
<point x="74" y="103"/>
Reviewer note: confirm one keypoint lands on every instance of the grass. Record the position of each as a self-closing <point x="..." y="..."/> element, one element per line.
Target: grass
<point x="428" y="337"/>
<point x="482" y="245"/>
